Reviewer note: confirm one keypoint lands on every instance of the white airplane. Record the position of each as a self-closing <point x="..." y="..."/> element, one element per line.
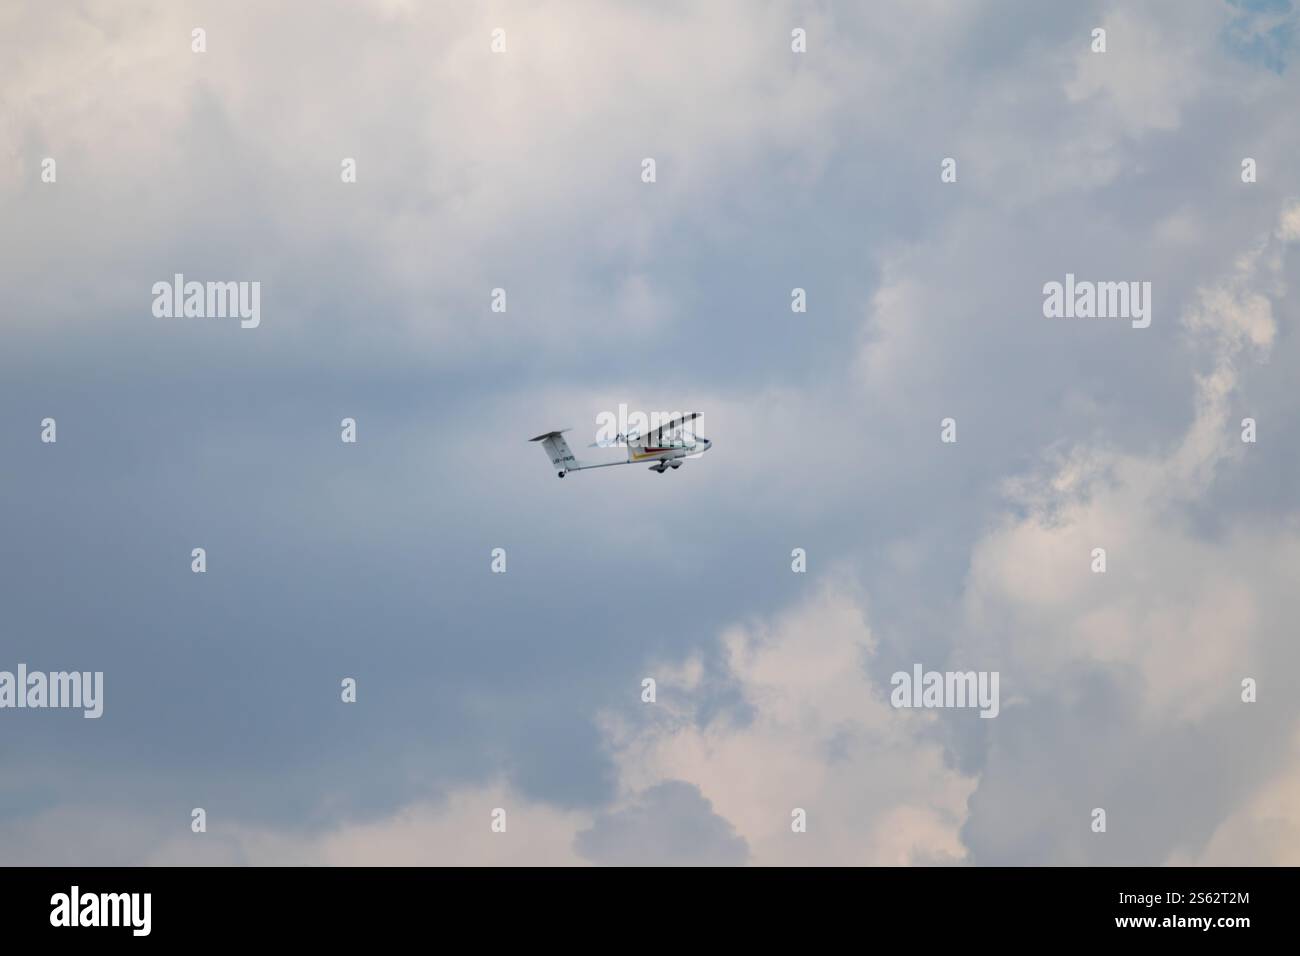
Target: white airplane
<point x="667" y="446"/>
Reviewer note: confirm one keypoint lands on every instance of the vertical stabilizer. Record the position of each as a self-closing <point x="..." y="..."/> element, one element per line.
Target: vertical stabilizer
<point x="558" y="451"/>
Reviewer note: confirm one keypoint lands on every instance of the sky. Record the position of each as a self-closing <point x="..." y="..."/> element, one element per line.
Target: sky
<point x="521" y="168"/>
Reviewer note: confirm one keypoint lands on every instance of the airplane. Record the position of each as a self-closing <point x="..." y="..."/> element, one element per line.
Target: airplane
<point x="667" y="446"/>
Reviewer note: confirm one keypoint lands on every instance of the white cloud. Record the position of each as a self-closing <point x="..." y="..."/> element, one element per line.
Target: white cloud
<point x="1263" y="831"/>
<point x="1032" y="598"/>
<point x="821" y="737"/>
<point x="453" y="832"/>
<point x="1144" y="76"/>
<point x="475" y="170"/>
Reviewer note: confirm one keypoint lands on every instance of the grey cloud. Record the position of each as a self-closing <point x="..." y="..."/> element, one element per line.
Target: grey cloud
<point x="372" y="560"/>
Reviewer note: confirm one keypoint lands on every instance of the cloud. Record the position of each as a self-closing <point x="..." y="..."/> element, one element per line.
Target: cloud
<point x="776" y="170"/>
<point x="1160" y="642"/>
<point x="811" y="731"/>
<point x="475" y="171"/>
<point x="1264" y="830"/>
<point x="1038" y="566"/>
<point x="1143" y="77"/>
<point x="454" y="831"/>
<point x="670" y="824"/>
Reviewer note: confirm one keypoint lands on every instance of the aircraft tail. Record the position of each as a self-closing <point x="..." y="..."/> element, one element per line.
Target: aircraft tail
<point x="558" y="451"/>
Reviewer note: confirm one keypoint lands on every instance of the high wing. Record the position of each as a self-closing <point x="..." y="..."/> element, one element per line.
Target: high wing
<point x="655" y="436"/>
